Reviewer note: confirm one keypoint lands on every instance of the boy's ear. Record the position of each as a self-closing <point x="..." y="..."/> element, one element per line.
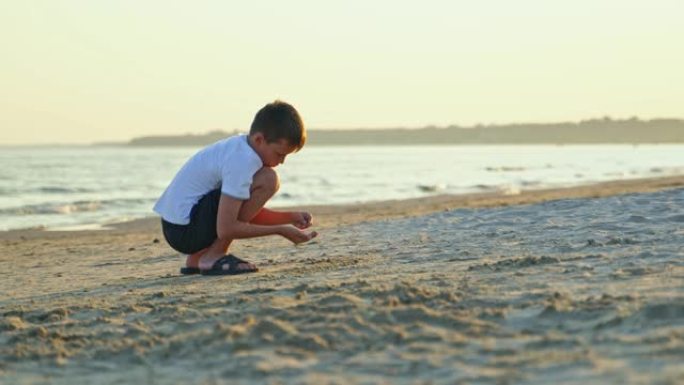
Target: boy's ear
<point x="258" y="138"/>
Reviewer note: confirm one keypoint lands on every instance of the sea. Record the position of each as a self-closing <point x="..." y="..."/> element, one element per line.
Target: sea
<point x="89" y="187"/>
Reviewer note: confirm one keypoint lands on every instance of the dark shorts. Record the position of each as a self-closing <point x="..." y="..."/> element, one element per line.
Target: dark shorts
<point x="200" y="233"/>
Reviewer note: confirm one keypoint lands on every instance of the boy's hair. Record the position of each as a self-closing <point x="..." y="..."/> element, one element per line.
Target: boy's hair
<point x="279" y="120"/>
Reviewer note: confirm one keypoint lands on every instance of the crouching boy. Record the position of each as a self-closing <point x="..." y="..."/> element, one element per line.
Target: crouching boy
<point x="219" y="194"/>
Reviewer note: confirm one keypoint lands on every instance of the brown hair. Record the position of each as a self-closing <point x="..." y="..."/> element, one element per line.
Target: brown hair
<point x="279" y="120"/>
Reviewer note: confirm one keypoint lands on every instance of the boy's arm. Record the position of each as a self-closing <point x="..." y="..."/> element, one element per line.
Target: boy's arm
<point x="229" y="227"/>
<point x="271" y="217"/>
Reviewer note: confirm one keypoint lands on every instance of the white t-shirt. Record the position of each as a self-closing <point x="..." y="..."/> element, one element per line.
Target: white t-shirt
<point x="229" y="164"/>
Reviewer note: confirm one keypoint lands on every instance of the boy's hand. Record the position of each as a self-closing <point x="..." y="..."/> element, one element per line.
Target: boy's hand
<point x="297" y="236"/>
<point x="301" y="220"/>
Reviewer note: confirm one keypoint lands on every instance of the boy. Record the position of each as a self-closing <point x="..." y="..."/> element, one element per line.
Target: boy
<point x="220" y="192"/>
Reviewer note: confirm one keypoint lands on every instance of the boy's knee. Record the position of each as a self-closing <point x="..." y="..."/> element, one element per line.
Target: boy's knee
<point x="266" y="178"/>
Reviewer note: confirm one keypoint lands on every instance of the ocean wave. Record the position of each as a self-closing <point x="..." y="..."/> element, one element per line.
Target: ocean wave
<point x="530" y="183"/>
<point x="53" y="208"/>
<point x="66" y="208"/>
<point x="62" y="190"/>
<point x="428" y="188"/>
<point x="509" y="189"/>
<point x="505" y="169"/>
<point x="483" y="186"/>
<point x="48" y="190"/>
<point x="505" y="189"/>
<point x="8" y="191"/>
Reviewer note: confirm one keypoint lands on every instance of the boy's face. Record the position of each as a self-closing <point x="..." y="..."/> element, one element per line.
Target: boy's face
<point x="271" y="154"/>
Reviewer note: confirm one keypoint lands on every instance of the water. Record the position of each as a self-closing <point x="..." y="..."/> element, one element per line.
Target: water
<point x="63" y="187"/>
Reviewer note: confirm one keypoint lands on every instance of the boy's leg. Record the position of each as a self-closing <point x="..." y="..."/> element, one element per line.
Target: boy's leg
<point x="193" y="259"/>
<point x="264" y="185"/>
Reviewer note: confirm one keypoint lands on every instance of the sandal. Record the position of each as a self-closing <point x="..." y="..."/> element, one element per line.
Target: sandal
<point x="232" y="262"/>
<point x="189" y="270"/>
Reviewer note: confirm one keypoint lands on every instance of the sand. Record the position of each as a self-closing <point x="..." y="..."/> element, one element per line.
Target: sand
<point x="577" y="285"/>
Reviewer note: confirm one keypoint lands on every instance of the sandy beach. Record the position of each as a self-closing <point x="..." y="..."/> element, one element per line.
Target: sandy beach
<point x="575" y="285"/>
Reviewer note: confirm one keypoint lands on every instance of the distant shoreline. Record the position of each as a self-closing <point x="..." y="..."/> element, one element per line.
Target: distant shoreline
<point x="604" y="131"/>
<point x="594" y="131"/>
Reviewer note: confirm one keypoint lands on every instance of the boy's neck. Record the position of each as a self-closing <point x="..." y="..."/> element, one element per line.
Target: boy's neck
<point x="250" y="143"/>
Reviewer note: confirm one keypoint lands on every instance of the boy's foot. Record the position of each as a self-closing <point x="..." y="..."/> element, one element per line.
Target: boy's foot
<point x="192" y="264"/>
<point x="229" y="265"/>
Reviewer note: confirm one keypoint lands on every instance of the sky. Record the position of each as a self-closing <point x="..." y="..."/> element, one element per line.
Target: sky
<point x="83" y="71"/>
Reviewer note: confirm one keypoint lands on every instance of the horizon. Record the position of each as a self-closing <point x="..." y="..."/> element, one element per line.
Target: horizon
<point x="206" y="133"/>
<point x="77" y="72"/>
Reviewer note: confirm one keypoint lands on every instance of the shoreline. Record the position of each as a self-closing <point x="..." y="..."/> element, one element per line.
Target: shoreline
<point x="326" y="216"/>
